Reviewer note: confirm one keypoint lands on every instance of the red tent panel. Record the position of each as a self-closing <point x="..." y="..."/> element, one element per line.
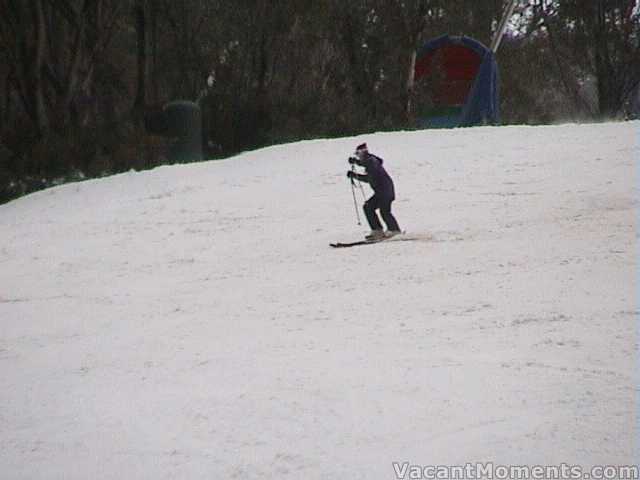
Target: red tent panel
<point x="457" y="65"/>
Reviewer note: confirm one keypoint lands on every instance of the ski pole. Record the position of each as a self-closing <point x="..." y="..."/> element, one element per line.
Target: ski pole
<point x="364" y="197"/>
<point x="355" y="202"/>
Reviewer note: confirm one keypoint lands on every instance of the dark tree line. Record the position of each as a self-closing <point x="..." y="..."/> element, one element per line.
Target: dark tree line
<point x="78" y="76"/>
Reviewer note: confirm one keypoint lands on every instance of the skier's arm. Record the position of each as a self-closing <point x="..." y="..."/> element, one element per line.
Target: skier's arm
<point x="356" y="161"/>
<point x="362" y="177"/>
<point x="359" y="176"/>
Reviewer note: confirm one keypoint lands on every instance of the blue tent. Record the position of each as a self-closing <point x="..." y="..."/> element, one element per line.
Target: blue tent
<point x="463" y="83"/>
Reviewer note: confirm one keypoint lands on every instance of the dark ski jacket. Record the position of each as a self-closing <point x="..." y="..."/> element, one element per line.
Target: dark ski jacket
<point x="376" y="176"/>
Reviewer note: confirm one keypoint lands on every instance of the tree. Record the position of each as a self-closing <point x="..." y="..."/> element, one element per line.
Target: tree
<point x="597" y="39"/>
<point x="53" y="49"/>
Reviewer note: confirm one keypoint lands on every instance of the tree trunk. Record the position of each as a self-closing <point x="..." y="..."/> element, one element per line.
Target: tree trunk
<point x="140" y="19"/>
<point x="42" y="121"/>
<point x="73" y="78"/>
<point x="154" y="52"/>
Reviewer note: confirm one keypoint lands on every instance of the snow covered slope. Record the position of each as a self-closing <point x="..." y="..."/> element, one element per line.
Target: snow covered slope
<point x="192" y="321"/>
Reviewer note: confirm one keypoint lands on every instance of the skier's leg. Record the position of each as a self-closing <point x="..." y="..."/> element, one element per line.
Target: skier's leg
<point x="387" y="216"/>
<point x="370" y="207"/>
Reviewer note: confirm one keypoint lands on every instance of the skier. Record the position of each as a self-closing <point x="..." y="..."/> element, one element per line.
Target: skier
<point x="383" y="193"/>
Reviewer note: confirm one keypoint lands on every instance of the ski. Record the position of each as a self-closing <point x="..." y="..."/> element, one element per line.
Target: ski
<point x="397" y="238"/>
<point x="355" y="244"/>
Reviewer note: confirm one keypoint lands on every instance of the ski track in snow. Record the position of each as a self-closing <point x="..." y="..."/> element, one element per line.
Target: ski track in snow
<point x="192" y="321"/>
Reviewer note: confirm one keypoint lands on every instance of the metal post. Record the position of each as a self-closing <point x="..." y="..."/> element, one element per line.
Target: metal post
<point x="506" y="16"/>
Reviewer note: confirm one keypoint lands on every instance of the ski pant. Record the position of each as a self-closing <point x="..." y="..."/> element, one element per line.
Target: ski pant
<point x="384" y="205"/>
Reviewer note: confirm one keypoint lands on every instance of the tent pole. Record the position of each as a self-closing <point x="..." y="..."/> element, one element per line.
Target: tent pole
<point x="410" y="82"/>
<point x="506" y="16"/>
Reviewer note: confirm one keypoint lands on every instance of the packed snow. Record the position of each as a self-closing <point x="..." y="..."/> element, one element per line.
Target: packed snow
<point x="192" y="321"/>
